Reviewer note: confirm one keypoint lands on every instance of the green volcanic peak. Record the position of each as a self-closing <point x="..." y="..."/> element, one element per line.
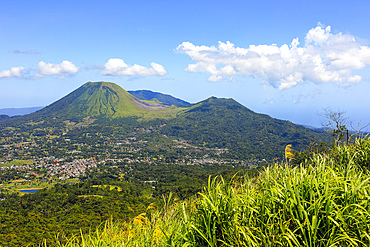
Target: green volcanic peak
<point x="105" y="99"/>
<point x="214" y="123"/>
<point x="225" y="123"/>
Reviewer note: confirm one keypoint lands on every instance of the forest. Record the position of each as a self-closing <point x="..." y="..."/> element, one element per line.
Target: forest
<point x="65" y="209"/>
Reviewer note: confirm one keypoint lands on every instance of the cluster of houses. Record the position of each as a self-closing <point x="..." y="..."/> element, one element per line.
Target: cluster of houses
<point x="56" y="167"/>
<point x="73" y="169"/>
<point x="65" y="168"/>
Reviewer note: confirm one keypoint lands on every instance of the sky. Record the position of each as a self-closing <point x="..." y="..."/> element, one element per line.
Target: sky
<point x="288" y="59"/>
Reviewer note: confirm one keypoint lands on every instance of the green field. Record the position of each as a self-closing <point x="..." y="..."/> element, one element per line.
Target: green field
<point x="22" y="184"/>
<point x="111" y="187"/>
<point x="18" y="163"/>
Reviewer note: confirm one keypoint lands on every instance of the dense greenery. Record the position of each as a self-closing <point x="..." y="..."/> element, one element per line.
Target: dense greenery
<point x="213" y="123"/>
<point x="66" y="208"/>
<point x="103" y="137"/>
<point x="323" y="201"/>
<point x="3" y="116"/>
<point x="224" y="123"/>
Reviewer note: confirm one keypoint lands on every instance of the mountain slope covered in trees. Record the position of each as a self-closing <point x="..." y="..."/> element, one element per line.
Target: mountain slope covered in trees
<point x="213" y="123"/>
<point x="226" y="124"/>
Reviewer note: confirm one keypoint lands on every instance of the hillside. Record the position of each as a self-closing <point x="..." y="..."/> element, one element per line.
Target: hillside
<point x="100" y="152"/>
<point x="223" y="125"/>
<point x="226" y="124"/>
<point x="102" y="99"/>
<point x="3" y="116"/>
<point x="164" y="98"/>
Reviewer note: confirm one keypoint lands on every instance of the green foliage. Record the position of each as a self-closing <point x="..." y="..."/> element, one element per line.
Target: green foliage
<point x="3" y="116"/>
<point x="107" y="111"/>
<point x="324" y="202"/>
<point x="224" y="123"/>
<point x="65" y="209"/>
<point x="346" y="155"/>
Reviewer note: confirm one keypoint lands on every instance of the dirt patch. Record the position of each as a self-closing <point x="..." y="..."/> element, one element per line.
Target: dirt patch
<point x="148" y="106"/>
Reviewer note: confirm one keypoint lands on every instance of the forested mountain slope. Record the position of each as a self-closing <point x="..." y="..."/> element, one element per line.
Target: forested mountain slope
<point x="226" y="124"/>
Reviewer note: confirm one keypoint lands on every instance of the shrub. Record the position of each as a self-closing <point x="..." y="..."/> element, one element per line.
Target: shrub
<point x="324" y="201"/>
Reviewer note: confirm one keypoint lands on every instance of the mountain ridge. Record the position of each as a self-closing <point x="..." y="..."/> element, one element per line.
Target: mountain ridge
<point x="227" y="124"/>
<point x="211" y="123"/>
<point x="164" y="98"/>
<point x="101" y="99"/>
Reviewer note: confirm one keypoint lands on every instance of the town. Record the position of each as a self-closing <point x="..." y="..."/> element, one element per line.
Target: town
<point x="54" y="155"/>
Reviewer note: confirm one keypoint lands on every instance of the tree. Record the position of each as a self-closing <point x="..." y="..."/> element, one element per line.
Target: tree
<point x="337" y="124"/>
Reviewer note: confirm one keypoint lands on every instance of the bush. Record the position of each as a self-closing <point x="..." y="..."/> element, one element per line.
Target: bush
<point x="322" y="202"/>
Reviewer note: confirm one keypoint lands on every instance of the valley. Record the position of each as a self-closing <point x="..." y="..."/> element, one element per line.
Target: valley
<point x="184" y="123"/>
<point x="100" y="152"/>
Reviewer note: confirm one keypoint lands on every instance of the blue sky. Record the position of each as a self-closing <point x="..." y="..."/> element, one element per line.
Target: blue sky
<point x="288" y="59"/>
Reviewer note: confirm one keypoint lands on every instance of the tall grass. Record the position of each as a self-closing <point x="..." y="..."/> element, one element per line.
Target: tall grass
<point x="322" y="202"/>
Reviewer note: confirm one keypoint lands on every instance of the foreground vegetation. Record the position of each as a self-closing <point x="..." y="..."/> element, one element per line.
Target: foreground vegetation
<point x="65" y="209"/>
<point x="322" y="201"/>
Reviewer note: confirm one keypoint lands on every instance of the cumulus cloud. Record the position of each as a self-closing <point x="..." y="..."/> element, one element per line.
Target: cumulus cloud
<point x="117" y="67"/>
<point x="215" y="78"/>
<point x="14" y="72"/>
<point x="62" y="70"/>
<point x="324" y="57"/>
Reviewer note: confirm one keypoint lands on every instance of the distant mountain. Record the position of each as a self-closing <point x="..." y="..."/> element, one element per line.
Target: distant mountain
<point x="3" y="116"/>
<point x="19" y="111"/>
<point x="225" y="123"/>
<point x="103" y="99"/>
<point x="164" y="98"/>
<point x="212" y="123"/>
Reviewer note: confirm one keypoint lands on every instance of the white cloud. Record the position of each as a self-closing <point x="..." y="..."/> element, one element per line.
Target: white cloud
<point x="62" y="70"/>
<point x="215" y="78"/>
<point x="118" y="67"/>
<point x="13" y="72"/>
<point x="324" y="57"/>
<point x="318" y="35"/>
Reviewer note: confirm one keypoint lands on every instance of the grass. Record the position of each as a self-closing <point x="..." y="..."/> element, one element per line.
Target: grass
<point x="18" y="163"/>
<point x="86" y="196"/>
<point x="15" y="185"/>
<point x="111" y="187"/>
<point x="324" y="201"/>
<point x="153" y="101"/>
